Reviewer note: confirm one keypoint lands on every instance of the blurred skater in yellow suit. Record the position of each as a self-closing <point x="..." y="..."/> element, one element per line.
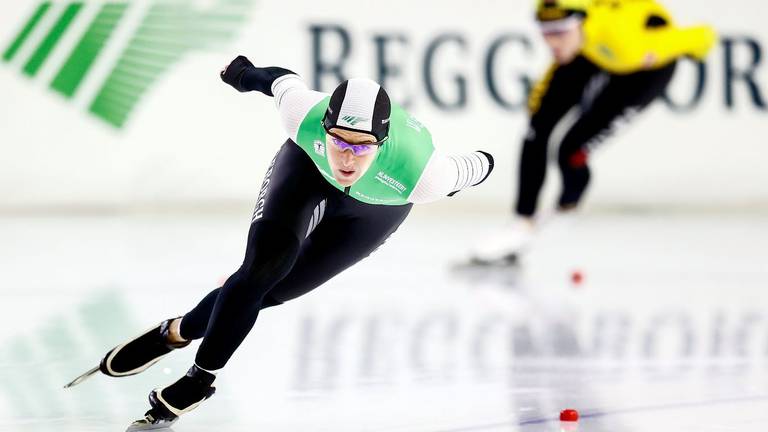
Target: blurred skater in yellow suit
<point x="612" y="58"/>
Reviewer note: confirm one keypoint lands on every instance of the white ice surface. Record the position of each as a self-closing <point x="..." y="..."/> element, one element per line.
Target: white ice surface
<point x="667" y="333"/>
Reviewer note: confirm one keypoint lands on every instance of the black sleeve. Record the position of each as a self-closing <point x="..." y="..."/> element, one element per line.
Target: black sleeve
<point x="261" y="79"/>
<point x="244" y="76"/>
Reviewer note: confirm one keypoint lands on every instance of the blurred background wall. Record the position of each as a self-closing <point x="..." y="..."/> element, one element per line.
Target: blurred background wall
<point x="117" y="105"/>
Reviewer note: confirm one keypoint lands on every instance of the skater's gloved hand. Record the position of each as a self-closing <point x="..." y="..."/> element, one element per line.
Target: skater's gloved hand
<point x="487" y="166"/>
<point x="244" y="76"/>
<point x="232" y="74"/>
<point x="490" y="166"/>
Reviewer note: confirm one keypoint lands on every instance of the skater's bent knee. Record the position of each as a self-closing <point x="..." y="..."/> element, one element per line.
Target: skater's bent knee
<point x="272" y="252"/>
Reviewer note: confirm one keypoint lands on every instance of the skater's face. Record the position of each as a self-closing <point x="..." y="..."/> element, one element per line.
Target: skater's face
<point x="565" y="42"/>
<point x="347" y="163"/>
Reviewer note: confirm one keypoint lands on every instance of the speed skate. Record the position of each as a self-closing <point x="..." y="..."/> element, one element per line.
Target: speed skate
<point x="149" y="422"/>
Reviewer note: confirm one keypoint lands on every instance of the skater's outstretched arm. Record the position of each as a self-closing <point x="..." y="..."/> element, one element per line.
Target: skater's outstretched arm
<point x="292" y="96"/>
<point x="294" y="100"/>
<point x="446" y="175"/>
<point x="244" y="76"/>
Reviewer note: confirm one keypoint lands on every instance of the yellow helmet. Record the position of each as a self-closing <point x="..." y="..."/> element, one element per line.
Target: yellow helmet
<point x="550" y="10"/>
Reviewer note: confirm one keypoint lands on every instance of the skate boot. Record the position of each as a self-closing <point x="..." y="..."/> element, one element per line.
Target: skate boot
<point x="505" y="246"/>
<point x="138" y="354"/>
<point x="176" y="399"/>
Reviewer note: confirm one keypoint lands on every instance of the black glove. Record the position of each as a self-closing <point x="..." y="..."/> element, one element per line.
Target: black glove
<point x="244" y="76"/>
<point x="233" y="73"/>
<point x="490" y="168"/>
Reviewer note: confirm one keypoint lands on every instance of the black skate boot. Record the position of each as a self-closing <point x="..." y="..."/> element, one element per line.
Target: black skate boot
<point x="137" y="355"/>
<point x="178" y="398"/>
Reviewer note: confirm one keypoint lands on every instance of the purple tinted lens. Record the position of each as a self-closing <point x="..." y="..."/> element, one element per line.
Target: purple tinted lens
<point x="357" y="149"/>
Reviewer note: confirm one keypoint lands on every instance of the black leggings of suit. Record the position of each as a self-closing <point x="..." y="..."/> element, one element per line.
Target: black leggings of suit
<point x="304" y="232"/>
<point x="603" y="99"/>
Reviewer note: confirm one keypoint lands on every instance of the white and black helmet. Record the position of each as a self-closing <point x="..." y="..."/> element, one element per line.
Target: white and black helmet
<point x="359" y="105"/>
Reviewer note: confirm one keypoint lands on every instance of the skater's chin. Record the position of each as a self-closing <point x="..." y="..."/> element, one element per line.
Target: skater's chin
<point x="346" y="177"/>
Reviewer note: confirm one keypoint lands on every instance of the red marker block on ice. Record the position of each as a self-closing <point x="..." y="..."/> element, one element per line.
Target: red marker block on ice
<point x="577" y="277"/>
<point x="569" y="415"/>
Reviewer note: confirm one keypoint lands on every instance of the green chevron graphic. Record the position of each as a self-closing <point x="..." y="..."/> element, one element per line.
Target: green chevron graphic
<point x="71" y="75"/>
<point x="353" y="120"/>
<point x="46" y="46"/>
<point x="26" y="30"/>
<point x="168" y="31"/>
<point x="33" y="392"/>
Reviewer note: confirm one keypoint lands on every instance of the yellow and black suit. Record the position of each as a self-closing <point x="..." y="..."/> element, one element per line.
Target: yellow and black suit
<point x="627" y="60"/>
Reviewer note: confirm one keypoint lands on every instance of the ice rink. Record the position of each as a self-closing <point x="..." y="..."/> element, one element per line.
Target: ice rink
<point x="129" y="170"/>
<point x="667" y="332"/>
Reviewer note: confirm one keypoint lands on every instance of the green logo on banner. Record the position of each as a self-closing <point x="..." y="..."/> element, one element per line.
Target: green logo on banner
<point x="168" y="31"/>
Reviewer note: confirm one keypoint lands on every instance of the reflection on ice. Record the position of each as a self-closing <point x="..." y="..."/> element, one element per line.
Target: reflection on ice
<point x="418" y="346"/>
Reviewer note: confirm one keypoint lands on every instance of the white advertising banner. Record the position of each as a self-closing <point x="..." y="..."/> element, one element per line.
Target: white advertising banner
<point x="120" y="104"/>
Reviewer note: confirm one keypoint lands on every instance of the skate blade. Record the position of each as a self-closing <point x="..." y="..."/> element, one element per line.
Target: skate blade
<point x="508" y="262"/>
<point x="506" y="272"/>
<point x="82" y="377"/>
<point x="145" y="425"/>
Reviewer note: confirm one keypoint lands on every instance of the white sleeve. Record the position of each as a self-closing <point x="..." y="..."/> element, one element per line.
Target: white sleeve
<point x="294" y="100"/>
<point x="446" y="174"/>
